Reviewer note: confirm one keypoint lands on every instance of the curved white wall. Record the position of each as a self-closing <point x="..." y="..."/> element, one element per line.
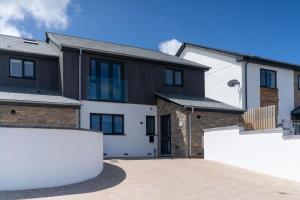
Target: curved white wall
<point x="40" y="158"/>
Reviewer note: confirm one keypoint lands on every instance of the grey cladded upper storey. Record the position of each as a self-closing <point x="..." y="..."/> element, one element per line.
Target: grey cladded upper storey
<point x="118" y="49"/>
<point x="83" y="69"/>
<point x="141" y="71"/>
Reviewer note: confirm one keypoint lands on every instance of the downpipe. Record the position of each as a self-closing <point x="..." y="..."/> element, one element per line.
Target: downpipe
<point x="190" y="129"/>
<point x="79" y="85"/>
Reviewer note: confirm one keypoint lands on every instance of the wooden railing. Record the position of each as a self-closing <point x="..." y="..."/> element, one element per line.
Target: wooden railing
<point x="260" y="118"/>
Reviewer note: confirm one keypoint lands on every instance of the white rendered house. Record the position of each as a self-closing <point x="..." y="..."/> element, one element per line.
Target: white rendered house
<point x="247" y="81"/>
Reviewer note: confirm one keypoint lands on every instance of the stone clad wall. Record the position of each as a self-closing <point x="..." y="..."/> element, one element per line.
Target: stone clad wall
<point x="38" y="116"/>
<point x="203" y="120"/>
<point x="179" y="137"/>
<point x="200" y="120"/>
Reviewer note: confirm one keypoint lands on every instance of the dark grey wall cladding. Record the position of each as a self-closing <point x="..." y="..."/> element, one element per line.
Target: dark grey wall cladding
<point x="70" y="74"/>
<point x="143" y="78"/>
<point x="46" y="72"/>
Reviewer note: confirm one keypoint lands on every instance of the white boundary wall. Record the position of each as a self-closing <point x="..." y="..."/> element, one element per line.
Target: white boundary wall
<point x="39" y="158"/>
<point x="267" y="152"/>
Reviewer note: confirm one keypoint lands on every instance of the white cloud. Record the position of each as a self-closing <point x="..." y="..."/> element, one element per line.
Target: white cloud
<point x="51" y="14"/>
<point x="170" y="46"/>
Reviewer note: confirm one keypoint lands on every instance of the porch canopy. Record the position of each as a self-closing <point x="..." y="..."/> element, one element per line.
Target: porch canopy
<point x="199" y="103"/>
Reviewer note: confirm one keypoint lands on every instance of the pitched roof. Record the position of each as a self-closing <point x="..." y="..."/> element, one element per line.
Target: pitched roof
<point x="22" y="45"/>
<point x="31" y="96"/>
<point x="119" y="49"/>
<point x="241" y="56"/>
<point x="201" y="103"/>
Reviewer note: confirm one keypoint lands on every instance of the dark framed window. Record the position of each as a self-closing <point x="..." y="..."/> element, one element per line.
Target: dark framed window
<point x="150" y="125"/>
<point x="268" y="78"/>
<point x="109" y="124"/>
<point x="21" y="68"/>
<point x="174" y="77"/>
<point x="298" y="82"/>
<point x="106" y="80"/>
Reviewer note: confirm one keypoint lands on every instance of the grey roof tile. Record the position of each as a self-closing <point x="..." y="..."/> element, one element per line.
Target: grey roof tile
<point x="118" y="49"/>
<point x="242" y="56"/>
<point x="199" y="102"/>
<point x="24" y="95"/>
<point x="17" y="44"/>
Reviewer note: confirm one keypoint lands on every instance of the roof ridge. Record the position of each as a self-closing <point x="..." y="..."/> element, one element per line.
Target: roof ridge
<point x="234" y="52"/>
<point x="114" y="43"/>
<point x="23" y="38"/>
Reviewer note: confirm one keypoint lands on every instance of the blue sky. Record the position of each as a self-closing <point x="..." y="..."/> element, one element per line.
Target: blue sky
<point x="264" y="28"/>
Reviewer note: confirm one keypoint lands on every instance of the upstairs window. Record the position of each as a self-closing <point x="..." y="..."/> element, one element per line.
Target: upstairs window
<point x="21" y="68"/>
<point x="268" y="78"/>
<point x="174" y="77"/>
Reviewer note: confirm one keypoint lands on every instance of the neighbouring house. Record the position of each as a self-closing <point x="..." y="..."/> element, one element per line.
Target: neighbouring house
<point x="248" y="81"/>
<point x="146" y="102"/>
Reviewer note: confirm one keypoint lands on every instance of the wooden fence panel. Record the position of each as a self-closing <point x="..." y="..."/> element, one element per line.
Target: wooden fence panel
<point x="260" y="118"/>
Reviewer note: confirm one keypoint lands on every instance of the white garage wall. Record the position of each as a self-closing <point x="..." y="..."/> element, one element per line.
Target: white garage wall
<point x="223" y="69"/>
<point x="39" y="158"/>
<point x="134" y="142"/>
<point x="285" y="85"/>
<point x="267" y="152"/>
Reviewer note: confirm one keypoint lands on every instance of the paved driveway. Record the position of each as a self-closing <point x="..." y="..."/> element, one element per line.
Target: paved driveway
<point x="169" y="179"/>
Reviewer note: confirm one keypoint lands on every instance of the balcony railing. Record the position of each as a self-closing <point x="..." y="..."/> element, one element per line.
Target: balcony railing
<point x="102" y="89"/>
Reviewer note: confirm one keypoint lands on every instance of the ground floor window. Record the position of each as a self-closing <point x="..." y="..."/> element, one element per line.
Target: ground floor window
<point x="109" y="124"/>
<point x="150" y="125"/>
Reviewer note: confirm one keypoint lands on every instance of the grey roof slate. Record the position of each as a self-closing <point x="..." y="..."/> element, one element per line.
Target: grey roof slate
<point x="199" y="102"/>
<point x="23" y="95"/>
<point x="241" y="56"/>
<point x="118" y="49"/>
<point x="17" y="44"/>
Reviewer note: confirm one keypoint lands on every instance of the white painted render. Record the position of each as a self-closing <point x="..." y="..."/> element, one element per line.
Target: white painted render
<point x="40" y="158"/>
<point x="225" y="68"/>
<point x="268" y="152"/>
<point x="134" y="142"/>
<point x="285" y="86"/>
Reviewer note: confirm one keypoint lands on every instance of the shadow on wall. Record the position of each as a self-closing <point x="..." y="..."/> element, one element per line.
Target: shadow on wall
<point x="111" y="176"/>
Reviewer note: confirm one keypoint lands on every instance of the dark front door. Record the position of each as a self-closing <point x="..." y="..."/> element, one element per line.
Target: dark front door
<point x="165" y="138"/>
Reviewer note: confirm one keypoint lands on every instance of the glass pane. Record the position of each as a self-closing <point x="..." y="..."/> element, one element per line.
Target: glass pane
<point x="169" y="77"/>
<point x="28" y="69"/>
<point x="271" y="79"/>
<point x="118" y="124"/>
<point x="93" y="90"/>
<point x="117" y="84"/>
<point x="178" y="78"/>
<point x="150" y="125"/>
<point x="95" y="122"/>
<point x="16" y="68"/>
<point x="104" y="80"/>
<point x="93" y="71"/>
<point x="116" y="71"/>
<point x="107" y="124"/>
<point x="262" y="77"/>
